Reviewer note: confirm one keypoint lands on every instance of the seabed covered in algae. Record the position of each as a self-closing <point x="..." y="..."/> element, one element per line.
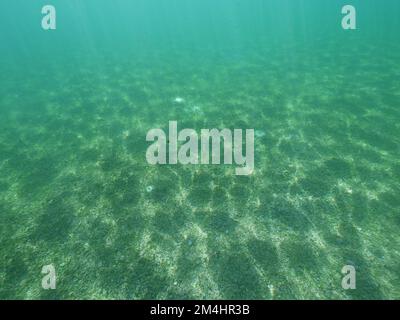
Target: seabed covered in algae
<point x="77" y="192"/>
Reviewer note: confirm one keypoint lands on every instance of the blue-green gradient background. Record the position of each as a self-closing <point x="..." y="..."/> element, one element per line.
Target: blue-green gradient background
<point x="75" y="106"/>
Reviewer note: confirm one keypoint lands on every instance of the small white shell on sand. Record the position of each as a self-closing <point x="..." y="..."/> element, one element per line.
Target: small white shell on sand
<point x="179" y="100"/>
<point x="125" y="134"/>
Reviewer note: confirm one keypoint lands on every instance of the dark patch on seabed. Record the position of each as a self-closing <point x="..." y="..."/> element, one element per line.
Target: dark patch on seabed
<point x="76" y="190"/>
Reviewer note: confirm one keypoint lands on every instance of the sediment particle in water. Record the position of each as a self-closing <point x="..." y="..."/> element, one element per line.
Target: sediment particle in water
<point x="179" y="100"/>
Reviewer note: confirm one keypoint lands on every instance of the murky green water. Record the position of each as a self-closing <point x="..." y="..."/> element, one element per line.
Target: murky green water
<point x="77" y="192"/>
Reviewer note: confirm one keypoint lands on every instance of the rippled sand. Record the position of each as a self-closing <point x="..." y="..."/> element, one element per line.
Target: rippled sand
<point x="76" y="191"/>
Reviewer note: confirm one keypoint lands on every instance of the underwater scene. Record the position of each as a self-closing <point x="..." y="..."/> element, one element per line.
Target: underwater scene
<point x="84" y="214"/>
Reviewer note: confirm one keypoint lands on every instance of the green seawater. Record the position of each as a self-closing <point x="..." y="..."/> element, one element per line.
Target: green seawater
<point x="77" y="192"/>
